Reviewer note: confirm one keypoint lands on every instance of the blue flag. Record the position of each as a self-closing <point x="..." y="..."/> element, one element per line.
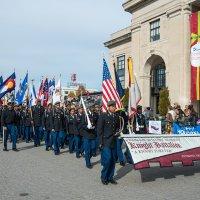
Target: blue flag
<point x="1" y="80"/>
<point x="22" y="90"/>
<point x="8" y="85"/>
<point x="119" y="87"/>
<point x="32" y="99"/>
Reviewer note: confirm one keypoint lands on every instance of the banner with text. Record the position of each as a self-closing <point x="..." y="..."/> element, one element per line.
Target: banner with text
<point x="163" y="149"/>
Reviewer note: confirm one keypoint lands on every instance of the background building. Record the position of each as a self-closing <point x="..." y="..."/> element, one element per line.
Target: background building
<point x="158" y="40"/>
<point x="73" y="88"/>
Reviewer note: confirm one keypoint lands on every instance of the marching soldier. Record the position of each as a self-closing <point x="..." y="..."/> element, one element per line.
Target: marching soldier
<point x="8" y="121"/>
<point x="18" y="118"/>
<point x="79" y="147"/>
<point x="27" y="124"/>
<point x="59" y="126"/>
<point x="108" y="128"/>
<point x="38" y="112"/>
<point x="72" y="129"/>
<point x="48" y="120"/>
<point x="22" y="122"/>
<point x="119" y="141"/>
<point x="96" y="114"/>
<point x="89" y="137"/>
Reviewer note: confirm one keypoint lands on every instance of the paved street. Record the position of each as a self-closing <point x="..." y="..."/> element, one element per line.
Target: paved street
<point x="33" y="173"/>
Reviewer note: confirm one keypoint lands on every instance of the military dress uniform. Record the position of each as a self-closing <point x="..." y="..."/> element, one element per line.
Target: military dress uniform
<point x="22" y="122"/>
<point x="48" y="120"/>
<point x="96" y="118"/>
<point x="139" y="124"/>
<point x="79" y="147"/>
<point x="8" y="122"/>
<point x="59" y="126"/>
<point x="89" y="138"/>
<point x="108" y="126"/>
<point x="73" y="132"/>
<point x="27" y="125"/>
<point x="37" y="112"/>
<point x="119" y="141"/>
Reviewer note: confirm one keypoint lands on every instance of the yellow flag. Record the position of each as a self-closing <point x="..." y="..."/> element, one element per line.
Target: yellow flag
<point x="134" y="90"/>
<point x="130" y="71"/>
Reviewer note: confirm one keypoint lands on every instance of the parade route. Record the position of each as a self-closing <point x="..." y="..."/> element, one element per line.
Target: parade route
<point x="32" y="173"/>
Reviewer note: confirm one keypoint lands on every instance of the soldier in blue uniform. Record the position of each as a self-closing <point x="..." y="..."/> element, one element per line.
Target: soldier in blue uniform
<point x="96" y="114"/>
<point x="89" y="138"/>
<point x="22" y="122"/>
<point x="48" y="120"/>
<point x="18" y="118"/>
<point x="37" y="112"/>
<point x="119" y="141"/>
<point x="72" y="130"/>
<point x="27" y="124"/>
<point x="108" y="130"/>
<point x="79" y="142"/>
<point x="59" y="125"/>
<point x="8" y="121"/>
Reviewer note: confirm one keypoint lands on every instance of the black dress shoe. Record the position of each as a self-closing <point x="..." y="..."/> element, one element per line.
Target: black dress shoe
<point x="47" y="149"/>
<point x="89" y="166"/>
<point x="104" y="182"/>
<point x="5" y="149"/>
<point x="78" y="156"/>
<point x="122" y="163"/>
<point x="16" y="150"/>
<point x="113" y="182"/>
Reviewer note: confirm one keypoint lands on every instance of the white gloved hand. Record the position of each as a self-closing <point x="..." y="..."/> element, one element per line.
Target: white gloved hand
<point x="89" y="126"/>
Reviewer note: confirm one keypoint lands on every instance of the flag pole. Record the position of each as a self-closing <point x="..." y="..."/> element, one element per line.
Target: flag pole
<point x="14" y="90"/>
<point x="86" y="112"/>
<point x="32" y="114"/>
<point x="61" y="91"/>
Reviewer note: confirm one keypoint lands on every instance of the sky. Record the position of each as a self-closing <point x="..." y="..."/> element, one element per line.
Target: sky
<point x="52" y="37"/>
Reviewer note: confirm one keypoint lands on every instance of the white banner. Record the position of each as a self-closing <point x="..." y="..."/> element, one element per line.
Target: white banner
<point x="146" y="147"/>
<point x="155" y="127"/>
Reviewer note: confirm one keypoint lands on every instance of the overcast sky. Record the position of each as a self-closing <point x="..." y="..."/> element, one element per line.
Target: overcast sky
<point x="52" y="37"/>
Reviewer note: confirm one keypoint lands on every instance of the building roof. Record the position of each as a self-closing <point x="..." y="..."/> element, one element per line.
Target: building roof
<point x="131" y="5"/>
<point x="119" y="37"/>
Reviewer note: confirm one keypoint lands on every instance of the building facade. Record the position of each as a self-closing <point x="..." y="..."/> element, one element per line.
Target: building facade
<point x="158" y="40"/>
<point x="72" y="89"/>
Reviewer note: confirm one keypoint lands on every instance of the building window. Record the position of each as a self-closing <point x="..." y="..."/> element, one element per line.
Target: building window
<point x="155" y="30"/>
<point x="158" y="77"/>
<point x="121" y="69"/>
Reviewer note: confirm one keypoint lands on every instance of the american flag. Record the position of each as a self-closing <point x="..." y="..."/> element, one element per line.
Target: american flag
<point x="108" y="89"/>
<point x="45" y="92"/>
